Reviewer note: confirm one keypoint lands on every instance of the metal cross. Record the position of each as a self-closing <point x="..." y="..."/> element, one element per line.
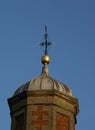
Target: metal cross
<point x="46" y="43"/>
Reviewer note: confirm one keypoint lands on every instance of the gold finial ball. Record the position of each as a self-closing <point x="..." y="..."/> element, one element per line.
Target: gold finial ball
<point x="45" y="59"/>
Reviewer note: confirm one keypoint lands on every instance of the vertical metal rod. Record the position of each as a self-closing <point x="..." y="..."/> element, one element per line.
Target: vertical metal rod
<point x="46" y="43"/>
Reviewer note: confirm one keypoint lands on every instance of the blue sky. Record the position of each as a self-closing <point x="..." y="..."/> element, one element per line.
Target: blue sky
<point x="71" y="26"/>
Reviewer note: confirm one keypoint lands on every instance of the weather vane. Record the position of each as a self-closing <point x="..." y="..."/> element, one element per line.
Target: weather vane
<point x="46" y="43"/>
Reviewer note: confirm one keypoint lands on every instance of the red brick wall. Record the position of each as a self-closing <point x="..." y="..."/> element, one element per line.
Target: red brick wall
<point x="62" y="122"/>
<point x="39" y="118"/>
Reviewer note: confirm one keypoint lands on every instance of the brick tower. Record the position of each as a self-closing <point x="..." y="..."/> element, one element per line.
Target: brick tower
<point x="43" y="103"/>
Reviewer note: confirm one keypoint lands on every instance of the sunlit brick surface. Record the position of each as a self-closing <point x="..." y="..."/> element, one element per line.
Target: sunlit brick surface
<point x="39" y="115"/>
<point x="62" y="122"/>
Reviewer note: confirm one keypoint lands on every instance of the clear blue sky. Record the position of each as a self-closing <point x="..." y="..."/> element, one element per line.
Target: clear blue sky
<point x="71" y="26"/>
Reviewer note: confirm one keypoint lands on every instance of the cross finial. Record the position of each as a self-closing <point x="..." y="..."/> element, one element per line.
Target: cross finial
<point x="45" y="43"/>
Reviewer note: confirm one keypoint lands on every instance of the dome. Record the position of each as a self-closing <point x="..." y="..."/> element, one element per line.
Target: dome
<point x="44" y="82"/>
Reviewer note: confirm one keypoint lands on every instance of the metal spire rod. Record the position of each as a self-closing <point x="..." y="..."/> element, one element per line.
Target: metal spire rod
<point x="46" y="43"/>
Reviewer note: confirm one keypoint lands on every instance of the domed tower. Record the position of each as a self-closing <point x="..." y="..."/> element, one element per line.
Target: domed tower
<point x="43" y="103"/>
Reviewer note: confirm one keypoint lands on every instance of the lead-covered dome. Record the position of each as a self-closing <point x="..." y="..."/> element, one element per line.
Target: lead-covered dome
<point x="44" y="82"/>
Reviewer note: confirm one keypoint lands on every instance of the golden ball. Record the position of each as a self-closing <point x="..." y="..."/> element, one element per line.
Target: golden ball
<point x="45" y="59"/>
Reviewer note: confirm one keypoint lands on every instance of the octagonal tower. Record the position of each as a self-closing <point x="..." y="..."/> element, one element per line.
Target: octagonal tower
<point x="43" y="103"/>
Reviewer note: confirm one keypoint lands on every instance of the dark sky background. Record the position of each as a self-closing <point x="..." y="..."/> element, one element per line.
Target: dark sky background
<point x="71" y="27"/>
